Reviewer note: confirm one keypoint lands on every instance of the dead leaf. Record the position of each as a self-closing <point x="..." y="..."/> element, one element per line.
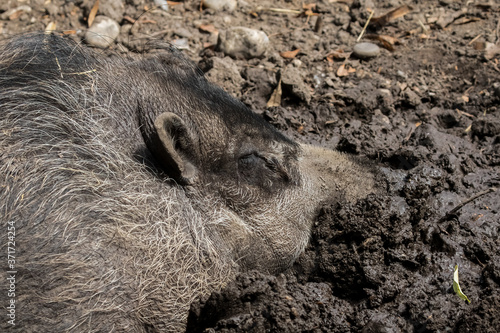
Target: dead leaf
<point x="386" y="41"/>
<point x="50" y="27"/>
<point x="208" y="28"/>
<point x="69" y="32"/>
<point x="337" y="54"/>
<point x="289" y="54"/>
<point x="343" y="71"/>
<point x="418" y="124"/>
<point x="308" y="10"/>
<point x="392" y="15"/>
<point x="465" y="98"/>
<point x="93" y="13"/>
<point x="173" y="3"/>
<point x="275" y="99"/>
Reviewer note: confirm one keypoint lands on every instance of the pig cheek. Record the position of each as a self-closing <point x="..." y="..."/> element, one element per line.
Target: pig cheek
<point x="284" y="225"/>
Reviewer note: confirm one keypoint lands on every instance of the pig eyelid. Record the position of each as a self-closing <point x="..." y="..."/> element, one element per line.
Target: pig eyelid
<point x="254" y="156"/>
<point x="274" y="165"/>
<point x="271" y="163"/>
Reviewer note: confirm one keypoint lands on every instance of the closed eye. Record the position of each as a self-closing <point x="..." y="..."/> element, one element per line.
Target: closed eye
<point x="274" y="165"/>
<point x="255" y="166"/>
<point x="249" y="160"/>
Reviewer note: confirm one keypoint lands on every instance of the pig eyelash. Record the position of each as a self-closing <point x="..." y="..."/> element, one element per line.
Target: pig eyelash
<point x="272" y="163"/>
<point x="275" y="166"/>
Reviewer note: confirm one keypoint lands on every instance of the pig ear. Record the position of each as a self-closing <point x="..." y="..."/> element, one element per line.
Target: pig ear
<point x="169" y="145"/>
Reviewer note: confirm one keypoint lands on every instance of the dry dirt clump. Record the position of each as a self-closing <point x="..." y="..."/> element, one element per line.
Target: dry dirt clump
<point x="426" y="110"/>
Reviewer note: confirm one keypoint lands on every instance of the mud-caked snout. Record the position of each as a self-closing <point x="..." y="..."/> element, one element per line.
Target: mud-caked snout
<point x="331" y="175"/>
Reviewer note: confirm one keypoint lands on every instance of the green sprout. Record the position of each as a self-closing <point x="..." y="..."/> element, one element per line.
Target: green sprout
<point x="456" y="286"/>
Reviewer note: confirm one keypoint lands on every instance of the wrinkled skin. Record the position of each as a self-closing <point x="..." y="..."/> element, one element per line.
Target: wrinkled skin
<point x="135" y="186"/>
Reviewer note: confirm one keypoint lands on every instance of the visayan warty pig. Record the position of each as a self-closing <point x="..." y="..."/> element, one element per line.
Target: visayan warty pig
<point x="135" y="186"/>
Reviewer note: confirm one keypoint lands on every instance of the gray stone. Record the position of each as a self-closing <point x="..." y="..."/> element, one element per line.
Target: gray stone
<point x="366" y="50"/>
<point x="219" y="5"/>
<point x="241" y="42"/>
<point x="162" y="4"/>
<point x="103" y="32"/>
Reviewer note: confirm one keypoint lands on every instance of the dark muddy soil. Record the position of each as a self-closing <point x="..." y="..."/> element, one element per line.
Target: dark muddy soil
<point x="426" y="112"/>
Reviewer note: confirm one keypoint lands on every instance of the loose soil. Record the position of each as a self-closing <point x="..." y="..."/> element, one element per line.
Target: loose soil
<point x="426" y="113"/>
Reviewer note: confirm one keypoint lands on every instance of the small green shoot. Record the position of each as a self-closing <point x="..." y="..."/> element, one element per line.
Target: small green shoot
<point x="456" y="286"/>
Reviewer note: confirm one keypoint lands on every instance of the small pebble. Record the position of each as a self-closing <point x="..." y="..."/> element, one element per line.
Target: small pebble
<point x="241" y="42"/>
<point x="402" y="74"/>
<point x="366" y="50"/>
<point x="180" y="43"/>
<point x="103" y="32"/>
<point x="162" y="4"/>
<point x="219" y="5"/>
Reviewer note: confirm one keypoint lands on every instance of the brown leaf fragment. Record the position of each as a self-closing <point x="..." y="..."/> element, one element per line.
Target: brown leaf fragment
<point x="308" y="10"/>
<point x="338" y="55"/>
<point x="386" y="41"/>
<point x="173" y="3"/>
<point x="275" y="99"/>
<point x="208" y="28"/>
<point x="392" y="15"/>
<point x="289" y="54"/>
<point x="343" y="71"/>
<point x="93" y="13"/>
